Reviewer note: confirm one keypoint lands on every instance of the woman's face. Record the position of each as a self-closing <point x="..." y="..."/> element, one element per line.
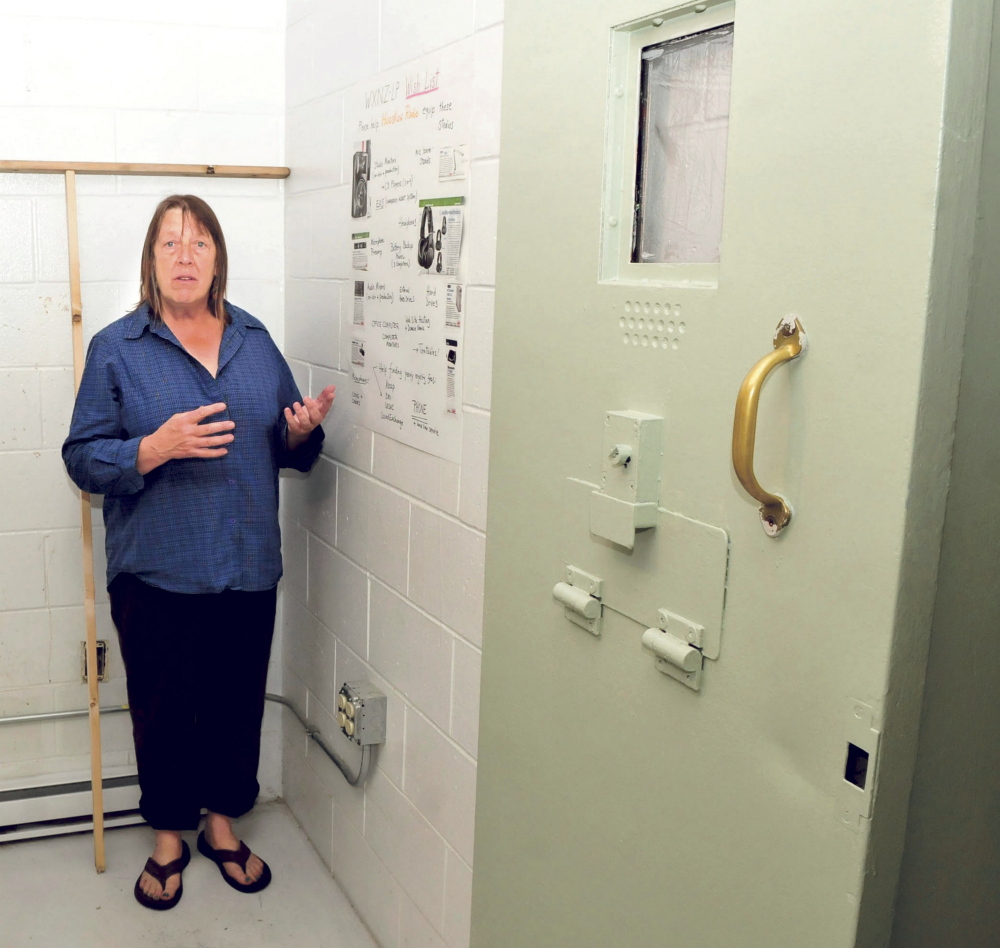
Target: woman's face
<point x="184" y="259"/>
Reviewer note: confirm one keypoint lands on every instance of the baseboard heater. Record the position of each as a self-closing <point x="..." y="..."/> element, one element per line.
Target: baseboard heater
<point x="57" y="809"/>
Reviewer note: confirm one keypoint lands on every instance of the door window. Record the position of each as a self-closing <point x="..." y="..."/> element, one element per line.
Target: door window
<point x="683" y="127"/>
<point x="667" y="135"/>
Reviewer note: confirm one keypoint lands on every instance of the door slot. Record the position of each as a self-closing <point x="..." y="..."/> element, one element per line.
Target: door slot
<point x="677" y="644"/>
<point x="630" y="477"/>
<point x="856" y="771"/>
<point x="581" y="597"/>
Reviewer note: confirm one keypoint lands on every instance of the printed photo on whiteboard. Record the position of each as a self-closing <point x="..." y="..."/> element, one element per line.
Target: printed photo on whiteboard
<point x="361" y="175"/>
<point x="440" y="242"/>
<point x="359" y="251"/>
<point x="453" y="306"/>
<point x="452" y="163"/>
<point x="425" y="246"/>
<point x="359" y="302"/>
<point x="451" y="381"/>
<point x="358" y="352"/>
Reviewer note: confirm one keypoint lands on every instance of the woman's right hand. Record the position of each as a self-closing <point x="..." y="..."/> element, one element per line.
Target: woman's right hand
<point x="183" y="436"/>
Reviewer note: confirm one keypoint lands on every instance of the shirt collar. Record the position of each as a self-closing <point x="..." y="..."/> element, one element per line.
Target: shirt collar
<point x="141" y="320"/>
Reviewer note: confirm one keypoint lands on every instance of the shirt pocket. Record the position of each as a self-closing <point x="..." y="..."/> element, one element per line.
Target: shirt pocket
<point x="251" y="394"/>
<point x="155" y="391"/>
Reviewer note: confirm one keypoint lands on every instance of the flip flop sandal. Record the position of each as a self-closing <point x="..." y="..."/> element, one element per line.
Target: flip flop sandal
<point x="161" y="874"/>
<point x="238" y="856"/>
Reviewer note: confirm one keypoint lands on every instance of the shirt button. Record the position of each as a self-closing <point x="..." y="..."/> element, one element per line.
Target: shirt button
<point x="232" y="520"/>
<point x="232" y="483"/>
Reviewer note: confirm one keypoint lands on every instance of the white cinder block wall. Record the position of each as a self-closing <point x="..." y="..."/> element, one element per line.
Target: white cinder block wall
<point x="110" y="80"/>
<point x="384" y="544"/>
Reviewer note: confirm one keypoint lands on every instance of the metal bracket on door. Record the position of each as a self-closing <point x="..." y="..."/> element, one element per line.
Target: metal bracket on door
<point x="677" y="644"/>
<point x="581" y="597"/>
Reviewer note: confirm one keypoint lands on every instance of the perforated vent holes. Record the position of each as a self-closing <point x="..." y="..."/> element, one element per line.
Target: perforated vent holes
<point x="652" y="325"/>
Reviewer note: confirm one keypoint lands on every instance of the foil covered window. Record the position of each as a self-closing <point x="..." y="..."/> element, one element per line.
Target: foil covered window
<point x="683" y="127"/>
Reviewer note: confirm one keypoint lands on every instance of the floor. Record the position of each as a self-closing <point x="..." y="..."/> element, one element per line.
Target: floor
<point x="51" y="896"/>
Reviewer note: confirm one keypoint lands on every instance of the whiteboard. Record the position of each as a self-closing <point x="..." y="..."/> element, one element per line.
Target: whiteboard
<point x="409" y="177"/>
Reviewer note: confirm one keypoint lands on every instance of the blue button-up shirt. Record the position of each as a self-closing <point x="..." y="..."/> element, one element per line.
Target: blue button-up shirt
<point x="192" y="525"/>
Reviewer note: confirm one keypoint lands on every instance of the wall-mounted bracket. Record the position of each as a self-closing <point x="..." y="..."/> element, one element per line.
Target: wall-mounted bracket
<point x="677" y="644"/>
<point x="581" y="594"/>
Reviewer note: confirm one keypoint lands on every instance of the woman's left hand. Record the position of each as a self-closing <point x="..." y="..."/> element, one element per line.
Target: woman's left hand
<point x="306" y="415"/>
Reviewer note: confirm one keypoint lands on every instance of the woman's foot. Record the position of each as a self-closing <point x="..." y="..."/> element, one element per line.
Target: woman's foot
<point x="219" y="835"/>
<point x="168" y="848"/>
<point x="160" y="886"/>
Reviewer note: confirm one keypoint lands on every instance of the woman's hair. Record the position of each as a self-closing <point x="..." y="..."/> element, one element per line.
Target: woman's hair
<point x="199" y="212"/>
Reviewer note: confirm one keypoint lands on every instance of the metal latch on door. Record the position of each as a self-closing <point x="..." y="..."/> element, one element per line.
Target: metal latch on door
<point x="630" y="477"/>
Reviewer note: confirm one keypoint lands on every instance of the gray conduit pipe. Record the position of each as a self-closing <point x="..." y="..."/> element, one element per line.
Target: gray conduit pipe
<point x="366" y="751"/>
<point x="56" y="715"/>
<point x="313" y="732"/>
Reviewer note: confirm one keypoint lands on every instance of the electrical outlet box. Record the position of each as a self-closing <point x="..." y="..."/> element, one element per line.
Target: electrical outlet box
<point x="361" y="712"/>
<point x="102" y="661"/>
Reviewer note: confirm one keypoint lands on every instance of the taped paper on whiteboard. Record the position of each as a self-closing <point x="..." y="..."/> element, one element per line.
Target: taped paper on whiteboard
<point x="440" y="242"/>
<point x="358" y="352"/>
<point x="452" y="163"/>
<point x="451" y="376"/>
<point x="453" y="305"/>
<point x="359" y="302"/>
<point x="359" y="250"/>
<point x="361" y="175"/>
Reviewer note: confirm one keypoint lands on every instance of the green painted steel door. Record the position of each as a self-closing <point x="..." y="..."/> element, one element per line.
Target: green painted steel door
<point x="741" y="779"/>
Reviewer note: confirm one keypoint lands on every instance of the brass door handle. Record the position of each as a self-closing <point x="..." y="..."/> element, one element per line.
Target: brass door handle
<point x="789" y="343"/>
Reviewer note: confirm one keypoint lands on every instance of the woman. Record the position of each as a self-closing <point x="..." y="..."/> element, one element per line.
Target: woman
<point x="185" y="412"/>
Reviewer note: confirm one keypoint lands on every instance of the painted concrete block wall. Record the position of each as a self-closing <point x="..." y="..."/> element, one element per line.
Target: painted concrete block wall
<point x="112" y="80"/>
<point x="384" y="544"/>
<point x="952" y="858"/>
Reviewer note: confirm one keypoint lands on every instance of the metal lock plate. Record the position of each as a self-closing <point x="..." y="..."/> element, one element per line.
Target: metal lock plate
<point x="857" y="779"/>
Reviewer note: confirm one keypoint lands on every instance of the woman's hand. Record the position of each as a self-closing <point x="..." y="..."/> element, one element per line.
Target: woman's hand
<point x="183" y="436"/>
<point x="303" y="418"/>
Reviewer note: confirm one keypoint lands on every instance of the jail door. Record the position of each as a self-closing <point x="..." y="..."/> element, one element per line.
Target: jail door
<point x="717" y="226"/>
